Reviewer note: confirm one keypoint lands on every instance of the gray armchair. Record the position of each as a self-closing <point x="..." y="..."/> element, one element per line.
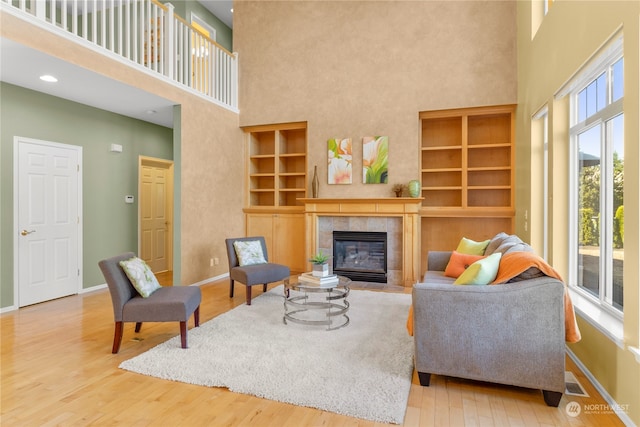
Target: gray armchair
<point x="168" y="304"/>
<point x="253" y="274"/>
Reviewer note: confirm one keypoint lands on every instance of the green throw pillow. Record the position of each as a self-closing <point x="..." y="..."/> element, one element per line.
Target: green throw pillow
<point x="249" y="252"/>
<point x="141" y="276"/>
<point x="481" y="272"/>
<point x="470" y="247"/>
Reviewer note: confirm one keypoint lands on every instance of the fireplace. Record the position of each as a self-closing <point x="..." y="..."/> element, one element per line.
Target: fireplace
<point x="399" y="217"/>
<point x="360" y="255"/>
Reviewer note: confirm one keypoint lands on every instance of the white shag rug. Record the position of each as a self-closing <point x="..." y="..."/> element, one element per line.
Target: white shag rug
<point x="363" y="370"/>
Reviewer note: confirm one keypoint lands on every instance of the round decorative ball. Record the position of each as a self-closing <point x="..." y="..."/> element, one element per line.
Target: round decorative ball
<point x="414" y="188"/>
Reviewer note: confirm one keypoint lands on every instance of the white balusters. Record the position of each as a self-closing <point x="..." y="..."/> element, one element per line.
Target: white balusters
<point x="147" y="33"/>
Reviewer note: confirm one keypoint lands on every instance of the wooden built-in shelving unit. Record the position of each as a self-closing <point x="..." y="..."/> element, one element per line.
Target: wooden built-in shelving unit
<point x="467" y="176"/>
<point x="276" y="172"/>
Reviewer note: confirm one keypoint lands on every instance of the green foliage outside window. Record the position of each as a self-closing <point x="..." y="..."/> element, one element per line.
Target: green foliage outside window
<point x="590" y="204"/>
<point x="618" y="228"/>
<point x="588" y="228"/>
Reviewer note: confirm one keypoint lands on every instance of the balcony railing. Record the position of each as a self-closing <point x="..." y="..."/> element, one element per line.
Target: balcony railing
<point x="147" y="34"/>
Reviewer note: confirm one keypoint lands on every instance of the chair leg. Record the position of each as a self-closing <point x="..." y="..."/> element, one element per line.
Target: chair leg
<point x="117" y="337"/>
<point x="248" y="295"/>
<point x="231" y="288"/>
<point x="183" y="334"/>
<point x="264" y="288"/>
<point x="196" y="316"/>
<point x="138" y="326"/>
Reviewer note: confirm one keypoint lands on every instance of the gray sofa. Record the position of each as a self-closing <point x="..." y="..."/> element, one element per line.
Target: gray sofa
<point x="509" y="334"/>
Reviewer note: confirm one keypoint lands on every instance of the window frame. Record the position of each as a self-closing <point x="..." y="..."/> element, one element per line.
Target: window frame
<point x="541" y="119"/>
<point x="596" y="309"/>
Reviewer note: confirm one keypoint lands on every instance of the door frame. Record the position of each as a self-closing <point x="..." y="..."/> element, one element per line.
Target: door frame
<point x="16" y="223"/>
<point x="168" y="165"/>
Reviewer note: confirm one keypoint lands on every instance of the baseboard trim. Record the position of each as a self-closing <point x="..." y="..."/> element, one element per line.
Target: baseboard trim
<point x="613" y="405"/>
<point x="8" y="309"/>
<point x="81" y="291"/>
<point x="92" y="288"/>
<point x="104" y="286"/>
<point x="211" y="279"/>
<point x="203" y="282"/>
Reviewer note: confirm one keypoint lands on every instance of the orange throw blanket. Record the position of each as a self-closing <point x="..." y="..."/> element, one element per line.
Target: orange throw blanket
<point x="515" y="263"/>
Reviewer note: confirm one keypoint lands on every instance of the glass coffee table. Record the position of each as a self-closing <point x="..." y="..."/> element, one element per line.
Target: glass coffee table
<point x="310" y="304"/>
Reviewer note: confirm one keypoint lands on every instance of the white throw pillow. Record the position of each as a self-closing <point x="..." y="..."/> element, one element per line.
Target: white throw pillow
<point x="249" y="252"/>
<point x="141" y="276"/>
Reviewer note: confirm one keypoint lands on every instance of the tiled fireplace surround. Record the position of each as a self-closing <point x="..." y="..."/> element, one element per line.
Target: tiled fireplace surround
<point x="399" y="217"/>
<point x="391" y="225"/>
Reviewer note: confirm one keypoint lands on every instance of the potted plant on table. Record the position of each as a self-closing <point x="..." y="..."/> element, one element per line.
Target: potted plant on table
<point x="320" y="264"/>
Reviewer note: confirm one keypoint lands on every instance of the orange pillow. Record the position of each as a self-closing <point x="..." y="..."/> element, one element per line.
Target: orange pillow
<point x="459" y="262"/>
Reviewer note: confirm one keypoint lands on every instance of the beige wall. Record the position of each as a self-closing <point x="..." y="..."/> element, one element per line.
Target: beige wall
<point x="354" y="68"/>
<point x="566" y="38"/>
<point x="212" y="170"/>
<point x="209" y="145"/>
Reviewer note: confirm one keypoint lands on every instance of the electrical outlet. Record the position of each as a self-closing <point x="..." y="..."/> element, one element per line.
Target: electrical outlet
<point x="216" y="261"/>
<point x="211" y="262"/>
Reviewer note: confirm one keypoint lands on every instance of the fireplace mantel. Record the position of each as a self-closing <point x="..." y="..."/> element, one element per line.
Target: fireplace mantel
<point x="407" y="208"/>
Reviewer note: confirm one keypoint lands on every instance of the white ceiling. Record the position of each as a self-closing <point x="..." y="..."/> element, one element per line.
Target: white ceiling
<point x="23" y="66"/>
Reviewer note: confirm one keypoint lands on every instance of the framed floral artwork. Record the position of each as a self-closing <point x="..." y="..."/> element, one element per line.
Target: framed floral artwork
<point x="375" y="159"/>
<point x="340" y="169"/>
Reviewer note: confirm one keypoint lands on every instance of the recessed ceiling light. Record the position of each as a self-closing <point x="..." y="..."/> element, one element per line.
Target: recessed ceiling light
<point x="48" y="78"/>
<point x="231" y="10"/>
<point x="151" y="111"/>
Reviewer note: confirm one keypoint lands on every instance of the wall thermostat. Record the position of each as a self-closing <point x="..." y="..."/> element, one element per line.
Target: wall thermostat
<point x="128" y="199"/>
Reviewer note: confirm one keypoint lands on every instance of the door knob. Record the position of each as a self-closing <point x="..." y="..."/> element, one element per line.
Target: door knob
<point x="25" y="232"/>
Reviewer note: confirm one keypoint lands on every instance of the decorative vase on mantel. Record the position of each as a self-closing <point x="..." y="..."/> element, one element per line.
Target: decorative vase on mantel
<point x="315" y="183"/>
<point x="414" y="188"/>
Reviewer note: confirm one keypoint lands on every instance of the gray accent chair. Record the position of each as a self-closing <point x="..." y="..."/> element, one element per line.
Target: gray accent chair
<point x="168" y="304"/>
<point x="258" y="274"/>
<point x="509" y="334"/>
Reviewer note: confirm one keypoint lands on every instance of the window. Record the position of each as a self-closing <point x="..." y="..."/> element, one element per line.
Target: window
<point x="597" y="181"/>
<point x="539" y="219"/>
<point x="539" y="9"/>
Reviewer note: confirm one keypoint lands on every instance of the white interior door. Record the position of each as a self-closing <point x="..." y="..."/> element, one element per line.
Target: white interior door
<point x="47" y="220"/>
<point x="155" y="213"/>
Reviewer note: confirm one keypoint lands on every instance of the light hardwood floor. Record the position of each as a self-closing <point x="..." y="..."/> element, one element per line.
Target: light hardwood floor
<point x="57" y="369"/>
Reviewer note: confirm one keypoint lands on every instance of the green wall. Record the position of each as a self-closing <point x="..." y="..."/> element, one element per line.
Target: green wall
<point x="224" y="34"/>
<point x="109" y="225"/>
